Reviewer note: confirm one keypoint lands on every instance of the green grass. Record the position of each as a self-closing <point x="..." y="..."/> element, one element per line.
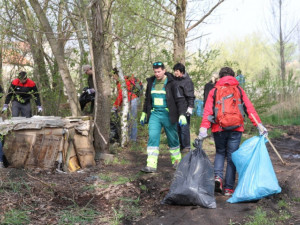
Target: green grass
<point x="260" y="218"/>
<point x="121" y="180"/>
<point x="284" y="215"/>
<point x="282" y="204"/>
<point x="77" y="216"/>
<point x="296" y="199"/>
<point x="275" y="133"/>
<point x="143" y="187"/>
<point x="105" y="177"/>
<point x="16" y="216"/>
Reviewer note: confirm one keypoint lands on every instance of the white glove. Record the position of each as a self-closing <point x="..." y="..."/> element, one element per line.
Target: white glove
<point x="202" y="133"/>
<point x="262" y="130"/>
<point x="189" y="111"/>
<point x="114" y="109"/>
<point x="90" y="91"/>
<point x="5" y="106"/>
<point x="39" y="109"/>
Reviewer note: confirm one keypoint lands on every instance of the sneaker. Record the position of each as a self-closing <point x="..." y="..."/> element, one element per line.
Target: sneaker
<point x="218" y="184"/>
<point x="175" y="165"/>
<point x="148" y="169"/>
<point x="228" y="192"/>
<point x="1" y="165"/>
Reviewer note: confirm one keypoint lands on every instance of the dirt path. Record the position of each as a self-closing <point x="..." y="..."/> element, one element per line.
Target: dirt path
<point x="118" y="193"/>
<point x="226" y="213"/>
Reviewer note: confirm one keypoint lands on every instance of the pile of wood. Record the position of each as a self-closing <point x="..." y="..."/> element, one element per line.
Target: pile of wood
<point x="48" y="143"/>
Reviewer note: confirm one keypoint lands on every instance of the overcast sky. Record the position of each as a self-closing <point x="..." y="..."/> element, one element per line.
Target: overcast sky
<point x="237" y="18"/>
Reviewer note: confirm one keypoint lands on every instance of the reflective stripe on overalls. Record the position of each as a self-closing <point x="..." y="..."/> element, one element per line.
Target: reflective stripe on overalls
<point x="160" y="118"/>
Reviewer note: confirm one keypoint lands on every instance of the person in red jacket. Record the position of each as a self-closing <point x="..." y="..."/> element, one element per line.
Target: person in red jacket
<point x="21" y="90"/>
<point x="226" y="141"/>
<point x="133" y="98"/>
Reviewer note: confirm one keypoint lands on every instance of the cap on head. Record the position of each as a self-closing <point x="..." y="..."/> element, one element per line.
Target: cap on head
<point x="85" y="68"/>
<point x="157" y="65"/>
<point x="226" y="71"/>
<point x="22" y="75"/>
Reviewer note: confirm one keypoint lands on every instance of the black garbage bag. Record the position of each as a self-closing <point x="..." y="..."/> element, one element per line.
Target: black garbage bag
<point x="115" y="128"/>
<point x="193" y="182"/>
<point x="85" y="98"/>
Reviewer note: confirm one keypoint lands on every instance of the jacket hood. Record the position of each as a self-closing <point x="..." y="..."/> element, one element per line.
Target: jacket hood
<point x="227" y="80"/>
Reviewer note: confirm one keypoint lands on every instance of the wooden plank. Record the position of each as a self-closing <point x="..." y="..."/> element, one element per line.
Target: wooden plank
<point x="85" y="151"/>
<point x="17" y="147"/>
<point x="44" y="152"/>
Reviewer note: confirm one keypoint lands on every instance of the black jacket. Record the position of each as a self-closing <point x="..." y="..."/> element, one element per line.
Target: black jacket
<point x="210" y="85"/>
<point x="175" y="98"/>
<point x="187" y="87"/>
<point x="22" y="93"/>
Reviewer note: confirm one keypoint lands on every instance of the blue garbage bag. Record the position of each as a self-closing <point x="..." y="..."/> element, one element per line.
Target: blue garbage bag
<point x="257" y="178"/>
<point x="198" y="110"/>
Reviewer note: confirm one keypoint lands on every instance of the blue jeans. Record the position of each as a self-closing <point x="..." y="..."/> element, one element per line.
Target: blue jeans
<point x="226" y="143"/>
<point x="1" y="152"/>
<point x="134" y="103"/>
<point x="184" y="134"/>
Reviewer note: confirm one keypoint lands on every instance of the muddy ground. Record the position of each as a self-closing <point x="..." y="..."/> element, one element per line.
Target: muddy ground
<point x="118" y="193"/>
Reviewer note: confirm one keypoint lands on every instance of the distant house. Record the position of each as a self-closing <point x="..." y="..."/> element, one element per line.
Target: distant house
<point x="16" y="56"/>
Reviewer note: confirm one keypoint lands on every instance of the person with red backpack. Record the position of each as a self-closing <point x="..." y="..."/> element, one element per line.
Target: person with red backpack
<point x="134" y="91"/>
<point x="224" y="112"/>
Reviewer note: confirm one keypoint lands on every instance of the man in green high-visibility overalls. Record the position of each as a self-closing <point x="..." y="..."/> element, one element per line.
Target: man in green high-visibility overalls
<point x="163" y="107"/>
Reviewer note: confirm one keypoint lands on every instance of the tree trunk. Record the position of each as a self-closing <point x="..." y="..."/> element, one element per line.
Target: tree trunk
<point x="102" y="57"/>
<point x="125" y="110"/>
<point x="281" y="46"/>
<point x="57" y="47"/>
<point x="179" y="32"/>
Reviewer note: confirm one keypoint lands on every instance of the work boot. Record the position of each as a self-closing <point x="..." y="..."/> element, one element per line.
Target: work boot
<point x="218" y="184"/>
<point x="175" y="165"/>
<point x="1" y="165"/>
<point x="148" y="169"/>
<point x="185" y="150"/>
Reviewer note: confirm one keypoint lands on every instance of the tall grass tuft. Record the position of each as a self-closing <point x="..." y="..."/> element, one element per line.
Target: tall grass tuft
<point x="284" y="113"/>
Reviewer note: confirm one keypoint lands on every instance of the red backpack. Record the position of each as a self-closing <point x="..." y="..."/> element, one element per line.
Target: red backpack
<point x="228" y="107"/>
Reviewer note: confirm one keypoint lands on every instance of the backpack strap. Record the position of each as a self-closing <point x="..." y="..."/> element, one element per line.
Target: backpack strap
<point x="213" y="117"/>
<point x="242" y="102"/>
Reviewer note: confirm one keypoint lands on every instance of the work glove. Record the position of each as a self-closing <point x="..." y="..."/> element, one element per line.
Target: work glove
<point x="262" y="130"/>
<point x="5" y="106"/>
<point x="182" y="120"/>
<point x="189" y="111"/>
<point x="143" y="118"/>
<point x="39" y="109"/>
<point x="202" y="133"/>
<point x="90" y="91"/>
<point x="114" y="109"/>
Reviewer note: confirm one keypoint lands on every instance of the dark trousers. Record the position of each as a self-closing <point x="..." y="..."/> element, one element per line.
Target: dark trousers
<point x="226" y="143"/>
<point x="184" y="134"/>
<point x="19" y="108"/>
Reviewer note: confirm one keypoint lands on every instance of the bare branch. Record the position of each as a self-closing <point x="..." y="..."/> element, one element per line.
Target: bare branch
<point x="202" y="35"/>
<point x="204" y="17"/>
<point x="173" y="3"/>
<point x="165" y="8"/>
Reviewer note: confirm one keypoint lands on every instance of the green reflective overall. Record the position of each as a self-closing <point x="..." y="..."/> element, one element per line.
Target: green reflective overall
<point x="160" y="118"/>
